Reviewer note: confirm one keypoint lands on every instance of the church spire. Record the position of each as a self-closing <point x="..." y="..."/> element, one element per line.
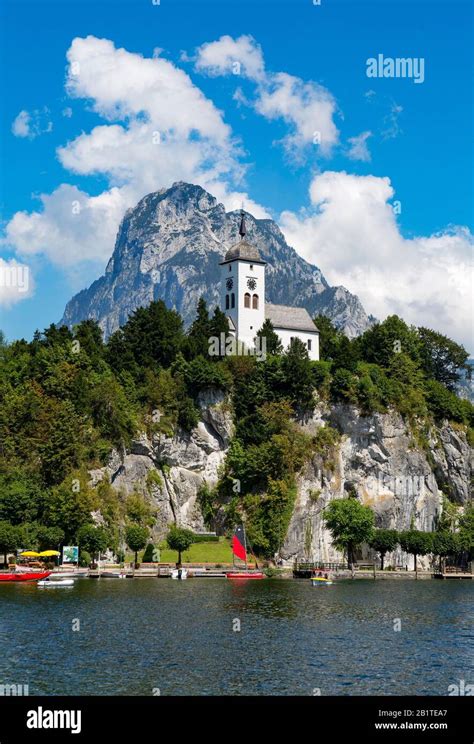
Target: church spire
<point x="242" y="228"/>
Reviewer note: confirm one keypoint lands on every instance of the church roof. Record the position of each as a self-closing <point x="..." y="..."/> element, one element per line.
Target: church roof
<point x="244" y="251"/>
<point x="291" y="318"/>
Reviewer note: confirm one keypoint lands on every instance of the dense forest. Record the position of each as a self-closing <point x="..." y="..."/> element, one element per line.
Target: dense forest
<point x="67" y="399"/>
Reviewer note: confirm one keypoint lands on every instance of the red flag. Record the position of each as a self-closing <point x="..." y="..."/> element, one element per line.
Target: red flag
<point x="238" y="544"/>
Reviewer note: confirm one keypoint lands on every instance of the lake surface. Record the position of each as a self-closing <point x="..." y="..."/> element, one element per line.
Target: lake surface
<point x="137" y="636"/>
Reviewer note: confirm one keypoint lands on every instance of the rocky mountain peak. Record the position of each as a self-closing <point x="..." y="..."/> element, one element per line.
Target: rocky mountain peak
<point x="168" y="247"/>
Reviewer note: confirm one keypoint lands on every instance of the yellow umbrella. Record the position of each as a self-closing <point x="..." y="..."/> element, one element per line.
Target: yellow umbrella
<point x="47" y="553"/>
<point x="30" y="554"/>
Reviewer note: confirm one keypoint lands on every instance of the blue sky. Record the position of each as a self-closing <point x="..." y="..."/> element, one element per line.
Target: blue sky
<point x="299" y="63"/>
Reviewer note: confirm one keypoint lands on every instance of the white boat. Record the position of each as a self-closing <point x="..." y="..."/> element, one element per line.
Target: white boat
<point x="50" y="582"/>
<point x="179" y="573"/>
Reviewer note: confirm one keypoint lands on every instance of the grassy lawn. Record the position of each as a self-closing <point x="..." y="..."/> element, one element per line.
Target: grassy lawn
<point x="205" y="552"/>
<point x="211" y="552"/>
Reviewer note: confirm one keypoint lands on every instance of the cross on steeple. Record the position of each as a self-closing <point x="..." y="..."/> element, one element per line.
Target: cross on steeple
<point x="242" y="228"/>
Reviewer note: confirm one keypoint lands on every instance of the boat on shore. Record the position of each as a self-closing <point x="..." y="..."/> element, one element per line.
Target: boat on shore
<point x="245" y="575"/>
<point x="179" y="573"/>
<point x="239" y="550"/>
<point x="24" y="575"/>
<point x="54" y="582"/>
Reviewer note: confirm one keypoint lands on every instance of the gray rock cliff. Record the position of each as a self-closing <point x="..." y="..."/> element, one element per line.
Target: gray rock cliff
<point x="377" y="459"/>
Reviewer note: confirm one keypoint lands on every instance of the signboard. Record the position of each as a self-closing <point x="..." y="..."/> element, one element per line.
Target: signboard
<point x="70" y="554"/>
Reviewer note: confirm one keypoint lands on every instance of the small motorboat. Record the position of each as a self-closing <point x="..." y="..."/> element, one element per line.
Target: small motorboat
<point x="24" y="575"/>
<point x="321" y="581"/>
<point x="53" y="582"/>
<point x="179" y="573"/>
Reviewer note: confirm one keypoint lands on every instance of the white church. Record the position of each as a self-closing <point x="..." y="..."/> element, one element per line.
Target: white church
<point x="243" y="301"/>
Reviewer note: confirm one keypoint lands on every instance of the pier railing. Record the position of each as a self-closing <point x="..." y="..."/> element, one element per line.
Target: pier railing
<point x="320" y="566"/>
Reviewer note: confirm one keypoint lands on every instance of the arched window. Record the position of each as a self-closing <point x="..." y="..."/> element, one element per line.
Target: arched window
<point x="227" y="302"/>
<point x="247" y="299"/>
<point x="255" y="302"/>
<point x="232" y="300"/>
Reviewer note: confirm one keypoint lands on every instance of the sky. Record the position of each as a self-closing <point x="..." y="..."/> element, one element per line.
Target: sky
<point x="298" y="109"/>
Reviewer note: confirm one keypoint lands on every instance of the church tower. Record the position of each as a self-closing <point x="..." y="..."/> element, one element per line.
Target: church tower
<point x="243" y="288"/>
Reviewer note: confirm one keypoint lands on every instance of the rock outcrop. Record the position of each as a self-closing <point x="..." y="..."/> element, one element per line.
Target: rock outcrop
<point x="377" y="458"/>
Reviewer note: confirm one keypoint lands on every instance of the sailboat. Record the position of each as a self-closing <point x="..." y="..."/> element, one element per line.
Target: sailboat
<point x="239" y="550"/>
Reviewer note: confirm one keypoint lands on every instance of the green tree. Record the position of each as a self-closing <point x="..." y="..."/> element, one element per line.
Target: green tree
<point x="70" y="504"/>
<point x="218" y="323"/>
<point x="380" y="343"/>
<point x="350" y="524"/>
<point x="466" y="532"/>
<point x="136" y="537"/>
<point x="445" y="543"/>
<point x="179" y="539"/>
<point x="272" y="339"/>
<point x="153" y="335"/>
<point x="329" y="337"/>
<point x="139" y="511"/>
<point x="92" y="539"/>
<point x="21" y="497"/>
<point x="344" y="386"/>
<point x="200" y="331"/>
<point x="89" y="335"/>
<point x="9" y="539"/>
<point x="416" y="543"/>
<point x="49" y="537"/>
<point x="442" y="359"/>
<point x="298" y="377"/>
<point x="383" y="541"/>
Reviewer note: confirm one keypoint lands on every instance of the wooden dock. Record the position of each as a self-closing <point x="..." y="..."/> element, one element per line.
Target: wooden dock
<point x="453" y="575"/>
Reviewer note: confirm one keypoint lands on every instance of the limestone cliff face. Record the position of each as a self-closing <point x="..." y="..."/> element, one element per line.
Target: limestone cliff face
<point x="170" y="470"/>
<point x="377" y="458"/>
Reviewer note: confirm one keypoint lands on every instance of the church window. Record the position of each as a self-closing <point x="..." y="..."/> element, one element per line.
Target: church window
<point x="230" y="267"/>
<point x="247" y="299"/>
<point x="227" y="302"/>
<point x="232" y="300"/>
<point x="255" y="302"/>
<point x="309" y="344"/>
<point x="251" y="267"/>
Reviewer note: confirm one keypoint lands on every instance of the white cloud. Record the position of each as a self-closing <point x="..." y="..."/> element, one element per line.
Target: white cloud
<point x="161" y="128"/>
<point x="242" y="56"/>
<point x="21" y="125"/>
<point x="32" y="124"/>
<point x="67" y="112"/>
<point x="351" y="233"/>
<point x="358" y="149"/>
<point x="16" y="282"/>
<point x="71" y="228"/>
<point x="308" y="108"/>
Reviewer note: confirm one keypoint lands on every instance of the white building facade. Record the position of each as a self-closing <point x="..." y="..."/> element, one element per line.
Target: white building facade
<point x="243" y="301"/>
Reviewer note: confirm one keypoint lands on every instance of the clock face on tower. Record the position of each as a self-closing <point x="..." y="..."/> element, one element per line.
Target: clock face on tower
<point x="229" y="283"/>
<point x="251" y="284"/>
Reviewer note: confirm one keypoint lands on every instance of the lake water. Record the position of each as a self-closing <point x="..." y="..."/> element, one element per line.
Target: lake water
<point x="137" y="636"/>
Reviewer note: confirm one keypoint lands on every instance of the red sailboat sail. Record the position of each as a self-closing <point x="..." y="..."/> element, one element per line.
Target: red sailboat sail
<point x="238" y="544"/>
